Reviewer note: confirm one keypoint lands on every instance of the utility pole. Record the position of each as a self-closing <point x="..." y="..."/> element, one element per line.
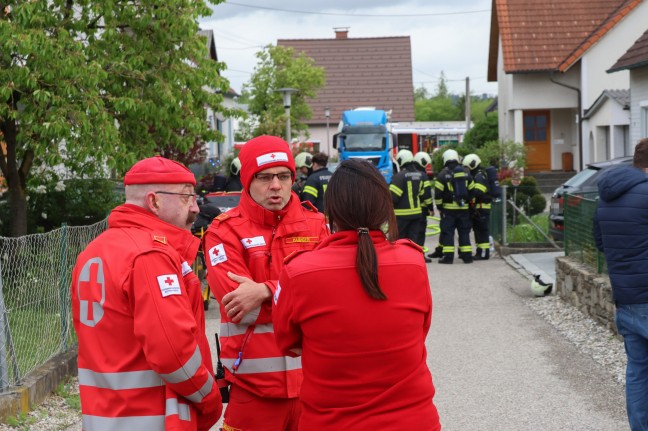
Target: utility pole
<point x="467" y="103"/>
<point x="286" y="92"/>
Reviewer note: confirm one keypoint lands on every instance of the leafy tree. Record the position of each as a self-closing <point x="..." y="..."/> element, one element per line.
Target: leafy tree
<point x="280" y="67"/>
<point x="442" y="87"/>
<point x="420" y="93"/>
<point x="483" y="131"/>
<point x="437" y="109"/>
<point x="92" y="86"/>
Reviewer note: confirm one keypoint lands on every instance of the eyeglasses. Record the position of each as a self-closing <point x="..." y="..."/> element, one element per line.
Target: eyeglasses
<point x="190" y="196"/>
<point x="283" y="177"/>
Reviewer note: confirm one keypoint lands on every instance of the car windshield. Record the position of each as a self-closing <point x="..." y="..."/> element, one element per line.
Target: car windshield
<point x="224" y="201"/>
<point x="581" y="177"/>
<point x="365" y="142"/>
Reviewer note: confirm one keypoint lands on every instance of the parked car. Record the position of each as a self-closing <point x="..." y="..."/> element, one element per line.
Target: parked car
<point x="584" y="181"/>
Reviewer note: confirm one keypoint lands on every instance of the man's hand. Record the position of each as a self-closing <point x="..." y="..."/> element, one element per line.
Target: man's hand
<point x="245" y="298"/>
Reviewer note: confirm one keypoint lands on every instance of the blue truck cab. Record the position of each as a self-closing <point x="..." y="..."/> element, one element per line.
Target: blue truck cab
<point x="364" y="133"/>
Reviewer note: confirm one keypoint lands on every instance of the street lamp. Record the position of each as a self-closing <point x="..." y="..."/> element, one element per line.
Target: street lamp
<point x="327" y="114"/>
<point x="286" y="101"/>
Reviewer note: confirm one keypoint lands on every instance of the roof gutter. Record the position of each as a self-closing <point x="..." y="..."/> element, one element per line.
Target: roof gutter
<point x="580" y="117"/>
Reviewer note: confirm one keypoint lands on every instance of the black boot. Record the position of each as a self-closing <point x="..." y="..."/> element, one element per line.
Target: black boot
<point x="486" y="254"/>
<point x="447" y="258"/>
<point x="426" y="259"/>
<point x="467" y="258"/>
<point x="438" y="252"/>
<point x="478" y="254"/>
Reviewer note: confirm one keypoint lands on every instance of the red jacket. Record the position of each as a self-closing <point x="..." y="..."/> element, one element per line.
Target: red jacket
<point x="364" y="360"/>
<point x="144" y="362"/>
<point x="252" y="241"/>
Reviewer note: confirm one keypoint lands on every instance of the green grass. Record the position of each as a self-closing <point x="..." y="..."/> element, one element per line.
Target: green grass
<point x="21" y="422"/>
<point x="36" y="336"/>
<point x="524" y="232"/>
<point x="64" y="391"/>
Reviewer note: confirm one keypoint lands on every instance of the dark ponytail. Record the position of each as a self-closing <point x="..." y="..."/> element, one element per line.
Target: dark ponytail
<point x="358" y="198"/>
<point x="367" y="265"/>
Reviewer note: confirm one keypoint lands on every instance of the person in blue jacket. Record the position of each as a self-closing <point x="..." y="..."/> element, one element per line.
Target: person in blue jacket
<point x="621" y="233"/>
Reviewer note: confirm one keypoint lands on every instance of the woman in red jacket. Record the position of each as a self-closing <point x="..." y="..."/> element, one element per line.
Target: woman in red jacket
<point x="358" y="309"/>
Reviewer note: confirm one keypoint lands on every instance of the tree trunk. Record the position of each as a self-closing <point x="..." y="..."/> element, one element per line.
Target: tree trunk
<point x="18" y="207"/>
<point x="16" y="178"/>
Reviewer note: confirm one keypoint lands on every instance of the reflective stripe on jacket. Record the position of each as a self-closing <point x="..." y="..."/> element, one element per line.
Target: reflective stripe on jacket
<point x="315" y="188"/>
<point x="444" y="191"/>
<point x="252" y="242"/>
<point x="142" y="359"/>
<point x="408" y="191"/>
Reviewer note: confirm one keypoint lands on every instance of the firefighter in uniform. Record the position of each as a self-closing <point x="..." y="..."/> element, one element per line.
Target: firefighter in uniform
<point x="423" y="160"/>
<point x="303" y="165"/>
<point x="480" y="206"/>
<point x="408" y="192"/>
<point x="452" y="188"/>
<point x="245" y="250"/>
<point x="234" y="180"/>
<point x="144" y="360"/>
<point x="317" y="182"/>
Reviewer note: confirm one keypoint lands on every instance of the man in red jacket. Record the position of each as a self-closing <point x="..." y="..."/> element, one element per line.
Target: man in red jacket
<point x="245" y="248"/>
<point x="144" y="360"/>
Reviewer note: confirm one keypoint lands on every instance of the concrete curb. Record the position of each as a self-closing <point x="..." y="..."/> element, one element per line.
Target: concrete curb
<point x="38" y="385"/>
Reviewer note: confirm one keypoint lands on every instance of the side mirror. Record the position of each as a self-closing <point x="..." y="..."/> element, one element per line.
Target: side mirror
<point x="335" y="139"/>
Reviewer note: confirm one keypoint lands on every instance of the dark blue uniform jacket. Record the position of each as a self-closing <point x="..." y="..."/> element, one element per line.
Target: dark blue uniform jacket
<point x="621" y="232"/>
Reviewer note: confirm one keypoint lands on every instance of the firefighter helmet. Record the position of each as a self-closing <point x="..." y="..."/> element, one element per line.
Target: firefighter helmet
<point x="404" y="156"/>
<point x="471" y="161"/>
<point x="422" y="158"/>
<point x="235" y="166"/>
<point x="450" y="156"/>
<point x="303" y="160"/>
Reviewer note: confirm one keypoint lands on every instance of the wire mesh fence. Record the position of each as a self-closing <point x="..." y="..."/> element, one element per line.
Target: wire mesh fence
<point x="35" y="306"/>
<point x="579" y="212"/>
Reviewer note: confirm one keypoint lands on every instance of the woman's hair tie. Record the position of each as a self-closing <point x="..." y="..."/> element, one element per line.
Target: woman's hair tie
<point x="362" y="230"/>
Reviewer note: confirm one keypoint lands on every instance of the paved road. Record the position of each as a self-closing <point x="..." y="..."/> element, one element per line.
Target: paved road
<point x="498" y="366"/>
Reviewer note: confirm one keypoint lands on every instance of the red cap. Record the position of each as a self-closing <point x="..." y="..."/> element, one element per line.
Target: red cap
<point x="261" y="153"/>
<point x="158" y="170"/>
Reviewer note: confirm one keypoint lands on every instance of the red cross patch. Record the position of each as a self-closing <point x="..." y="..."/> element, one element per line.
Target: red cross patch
<point x="169" y="284"/>
<point x="92" y="292"/>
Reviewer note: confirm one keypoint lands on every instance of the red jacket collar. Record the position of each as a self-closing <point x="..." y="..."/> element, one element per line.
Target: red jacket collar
<point x="132" y="216"/>
<point x="350" y="237"/>
<point x="258" y="214"/>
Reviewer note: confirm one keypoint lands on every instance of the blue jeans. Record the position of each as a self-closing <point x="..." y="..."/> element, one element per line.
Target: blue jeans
<point x="632" y="323"/>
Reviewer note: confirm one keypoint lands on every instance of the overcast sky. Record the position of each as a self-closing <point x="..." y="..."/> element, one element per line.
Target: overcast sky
<point x="446" y="35"/>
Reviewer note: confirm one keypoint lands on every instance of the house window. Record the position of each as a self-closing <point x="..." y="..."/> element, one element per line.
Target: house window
<point x="535" y="128"/>
<point x="644" y="120"/>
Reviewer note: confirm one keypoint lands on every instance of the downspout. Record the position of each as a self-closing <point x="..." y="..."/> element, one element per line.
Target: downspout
<point x="580" y="118"/>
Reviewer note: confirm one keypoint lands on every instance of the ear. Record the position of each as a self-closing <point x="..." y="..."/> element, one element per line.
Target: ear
<point x="152" y="202"/>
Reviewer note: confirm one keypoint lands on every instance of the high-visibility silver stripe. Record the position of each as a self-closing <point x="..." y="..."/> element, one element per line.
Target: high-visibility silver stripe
<point x="186" y="371"/>
<point x="264" y="365"/>
<point x="128" y="423"/>
<point x="231" y="329"/>
<point x="174" y="407"/>
<point x="251" y="317"/>
<point x="119" y="381"/>
<point x="197" y="397"/>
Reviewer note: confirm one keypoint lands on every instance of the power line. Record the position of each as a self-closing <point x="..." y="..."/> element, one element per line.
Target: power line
<point x="359" y="14"/>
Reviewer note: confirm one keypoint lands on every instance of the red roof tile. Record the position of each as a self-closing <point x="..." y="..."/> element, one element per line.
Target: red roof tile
<point x="550" y="35"/>
<point x="361" y="72"/>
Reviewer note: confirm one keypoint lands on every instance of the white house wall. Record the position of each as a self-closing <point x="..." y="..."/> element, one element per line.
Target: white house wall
<point x="537" y="92"/>
<point x="601" y="56"/>
<point x="564" y="137"/>
<point x="607" y="131"/>
<point x="638" y="105"/>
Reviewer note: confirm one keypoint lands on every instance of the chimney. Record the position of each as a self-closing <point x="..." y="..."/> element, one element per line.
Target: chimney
<point x="341" y="32"/>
